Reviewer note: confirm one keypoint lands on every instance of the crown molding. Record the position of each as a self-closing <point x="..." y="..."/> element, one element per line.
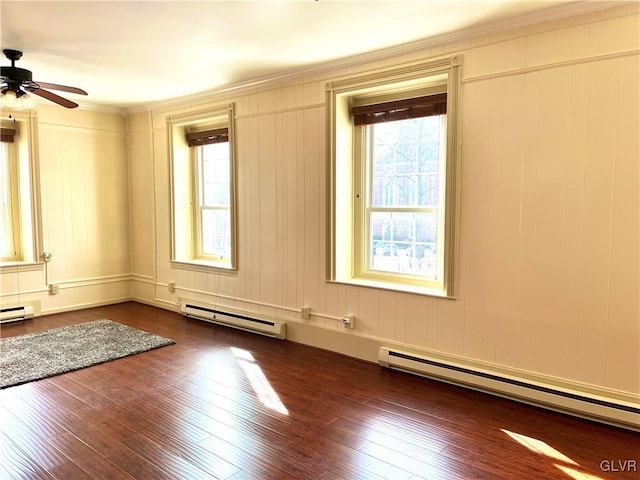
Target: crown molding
<point x="95" y="107"/>
<point x="578" y="7"/>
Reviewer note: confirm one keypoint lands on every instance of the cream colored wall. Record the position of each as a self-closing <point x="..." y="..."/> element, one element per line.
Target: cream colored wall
<point x="548" y="271"/>
<point x="142" y="198"/>
<point x="84" y="185"/>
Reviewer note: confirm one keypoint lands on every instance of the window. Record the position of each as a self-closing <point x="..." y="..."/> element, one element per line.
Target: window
<point x="394" y="155"/>
<point x="19" y="195"/>
<point x="212" y="205"/>
<point x="400" y="216"/>
<point x="203" y="189"/>
<point x="9" y="204"/>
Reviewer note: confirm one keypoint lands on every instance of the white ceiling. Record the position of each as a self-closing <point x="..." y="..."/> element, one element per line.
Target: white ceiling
<point x="130" y="53"/>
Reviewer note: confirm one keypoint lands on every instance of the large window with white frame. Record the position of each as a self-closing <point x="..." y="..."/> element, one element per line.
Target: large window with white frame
<point x="19" y="192"/>
<point x="203" y="217"/>
<point x="394" y="161"/>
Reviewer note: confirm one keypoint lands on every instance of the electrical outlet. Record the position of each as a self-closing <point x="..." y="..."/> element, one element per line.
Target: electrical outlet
<point x="54" y="289"/>
<point x="348" y="321"/>
<point x="172" y="287"/>
<point x="305" y="312"/>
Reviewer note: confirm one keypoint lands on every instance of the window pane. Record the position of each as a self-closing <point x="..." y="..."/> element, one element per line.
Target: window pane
<point x="6" y="224"/>
<point x="216" y="175"/>
<point x="4" y="176"/>
<point x="406" y="163"/>
<point x="216" y="233"/>
<point x="403" y="242"/>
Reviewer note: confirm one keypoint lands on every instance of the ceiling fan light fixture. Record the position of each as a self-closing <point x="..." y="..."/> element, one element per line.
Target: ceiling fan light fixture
<point x="9" y="99"/>
<point x="28" y="102"/>
<point x="16" y="100"/>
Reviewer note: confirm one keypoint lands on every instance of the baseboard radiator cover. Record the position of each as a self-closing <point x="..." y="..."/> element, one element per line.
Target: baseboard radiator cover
<point x="243" y="320"/>
<point x="16" y="314"/>
<point x="621" y="413"/>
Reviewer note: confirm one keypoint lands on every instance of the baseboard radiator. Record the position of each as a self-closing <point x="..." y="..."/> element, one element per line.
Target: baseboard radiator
<point x="249" y="321"/>
<point x="621" y="413"/>
<point x="16" y="314"/>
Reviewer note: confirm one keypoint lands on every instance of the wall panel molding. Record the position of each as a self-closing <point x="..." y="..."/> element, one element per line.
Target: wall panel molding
<point x="539" y="68"/>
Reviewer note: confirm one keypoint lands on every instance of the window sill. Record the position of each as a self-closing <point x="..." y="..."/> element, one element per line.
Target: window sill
<point x="203" y="266"/>
<point x="396" y="287"/>
<point x="21" y="266"/>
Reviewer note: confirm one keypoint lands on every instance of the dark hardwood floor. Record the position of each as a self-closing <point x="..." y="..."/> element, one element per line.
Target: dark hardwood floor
<point x="227" y="404"/>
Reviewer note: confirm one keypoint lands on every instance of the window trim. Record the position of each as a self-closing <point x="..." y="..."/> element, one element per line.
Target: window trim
<point x="25" y="124"/>
<point x="13" y="202"/>
<point x="400" y="81"/>
<point x="198" y="204"/>
<point x="183" y="252"/>
<point x="362" y="251"/>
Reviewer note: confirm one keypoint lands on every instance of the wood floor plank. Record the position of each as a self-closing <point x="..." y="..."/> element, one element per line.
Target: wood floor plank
<point x="101" y="439"/>
<point x="79" y="391"/>
<point x="232" y="405"/>
<point x="165" y="459"/>
<point x="523" y="464"/>
<point x="252" y="466"/>
<point x="37" y="420"/>
<point x="88" y="459"/>
<point x="16" y="463"/>
<point x="69" y="470"/>
<point x="29" y="441"/>
<point x="231" y="427"/>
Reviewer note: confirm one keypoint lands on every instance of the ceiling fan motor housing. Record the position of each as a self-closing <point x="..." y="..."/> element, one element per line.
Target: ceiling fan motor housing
<point x="16" y="74"/>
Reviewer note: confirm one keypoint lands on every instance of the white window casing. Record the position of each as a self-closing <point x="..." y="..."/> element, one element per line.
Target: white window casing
<point x="186" y="192"/>
<point x="347" y="252"/>
<point x="21" y="222"/>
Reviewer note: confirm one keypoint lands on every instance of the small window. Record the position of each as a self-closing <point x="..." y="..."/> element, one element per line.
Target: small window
<point x="203" y="189"/>
<point x="19" y="195"/>
<point x="394" y="192"/>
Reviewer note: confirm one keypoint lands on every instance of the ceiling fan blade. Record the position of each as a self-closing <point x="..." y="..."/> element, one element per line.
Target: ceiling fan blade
<point x="54" y="98"/>
<point x="62" y="88"/>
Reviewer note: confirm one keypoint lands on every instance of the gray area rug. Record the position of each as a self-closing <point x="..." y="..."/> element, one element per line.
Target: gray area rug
<point x="52" y="352"/>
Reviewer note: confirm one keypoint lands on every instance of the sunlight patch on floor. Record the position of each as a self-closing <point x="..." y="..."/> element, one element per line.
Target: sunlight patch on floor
<point x="259" y="381"/>
<point x="539" y="446"/>
<point x="242" y="354"/>
<point x="543" y="448"/>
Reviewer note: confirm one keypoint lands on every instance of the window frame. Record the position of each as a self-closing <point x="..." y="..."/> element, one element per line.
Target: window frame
<point x="185" y="251"/>
<point x="199" y="206"/>
<point x="346" y="249"/>
<point x="362" y="229"/>
<point x="11" y="173"/>
<point x="25" y="189"/>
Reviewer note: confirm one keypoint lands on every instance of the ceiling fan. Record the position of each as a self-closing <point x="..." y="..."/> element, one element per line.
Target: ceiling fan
<point x="16" y="82"/>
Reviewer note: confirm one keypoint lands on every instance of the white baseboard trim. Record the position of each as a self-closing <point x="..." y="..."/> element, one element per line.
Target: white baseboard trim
<point x="367" y="348"/>
<point x="575" y="398"/>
